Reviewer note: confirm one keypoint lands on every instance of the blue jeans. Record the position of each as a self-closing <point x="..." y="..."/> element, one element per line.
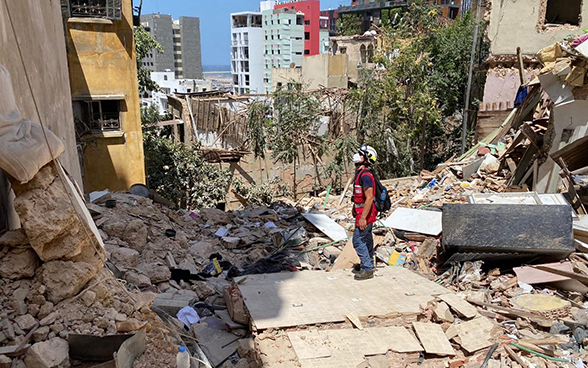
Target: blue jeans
<point x="363" y="242"/>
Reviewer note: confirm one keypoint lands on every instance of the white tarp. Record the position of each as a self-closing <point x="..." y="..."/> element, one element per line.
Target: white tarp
<point x="23" y="148"/>
<point x="325" y="224"/>
<point x="418" y="221"/>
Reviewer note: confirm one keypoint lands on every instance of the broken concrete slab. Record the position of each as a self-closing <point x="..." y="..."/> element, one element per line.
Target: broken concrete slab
<point x="325" y="224"/>
<point x="458" y="304"/>
<point x="433" y="339"/>
<point x="475" y="335"/>
<point x="156" y="271"/>
<point x="442" y="313"/>
<point x="348" y="347"/>
<point x="301" y="298"/>
<point x="217" y="345"/>
<point x="418" y="221"/>
<point x="172" y="301"/>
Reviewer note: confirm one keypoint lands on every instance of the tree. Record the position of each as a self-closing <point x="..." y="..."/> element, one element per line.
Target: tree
<point x="294" y="127"/>
<point x="144" y="43"/>
<point x="405" y="107"/>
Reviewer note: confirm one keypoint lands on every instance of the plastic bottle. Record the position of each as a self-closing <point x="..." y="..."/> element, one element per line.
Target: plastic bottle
<point x="383" y="195"/>
<point x="183" y="358"/>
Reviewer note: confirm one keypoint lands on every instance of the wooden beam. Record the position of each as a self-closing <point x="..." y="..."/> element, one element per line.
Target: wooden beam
<point x="166" y="123"/>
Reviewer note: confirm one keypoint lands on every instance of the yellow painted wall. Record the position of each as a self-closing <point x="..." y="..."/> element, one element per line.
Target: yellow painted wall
<point x="102" y="62"/>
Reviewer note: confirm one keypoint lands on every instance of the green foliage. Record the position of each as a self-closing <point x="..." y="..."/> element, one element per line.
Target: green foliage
<point x="180" y="173"/>
<point x="258" y="120"/>
<point x="295" y="124"/>
<point x="343" y="148"/>
<point x="450" y="49"/>
<point x="144" y="43"/>
<point x="389" y="17"/>
<point x="349" y="24"/>
<point x="263" y="194"/>
<point x="409" y="102"/>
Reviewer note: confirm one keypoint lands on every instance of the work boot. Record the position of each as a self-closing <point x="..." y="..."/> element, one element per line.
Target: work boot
<point x="364" y="275"/>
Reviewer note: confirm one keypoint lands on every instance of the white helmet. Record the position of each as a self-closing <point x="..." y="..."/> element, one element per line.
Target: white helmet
<point x="356" y="158"/>
<point x="368" y="152"/>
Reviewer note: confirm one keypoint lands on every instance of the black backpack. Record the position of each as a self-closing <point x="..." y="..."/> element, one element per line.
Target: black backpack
<point x="381" y="196"/>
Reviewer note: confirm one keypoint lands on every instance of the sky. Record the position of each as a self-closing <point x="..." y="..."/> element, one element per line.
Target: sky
<point x="215" y="25"/>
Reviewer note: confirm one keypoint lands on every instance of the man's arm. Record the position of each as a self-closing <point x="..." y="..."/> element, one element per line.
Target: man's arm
<point x="369" y="200"/>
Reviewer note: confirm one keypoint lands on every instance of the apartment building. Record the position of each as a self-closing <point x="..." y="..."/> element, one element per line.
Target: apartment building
<point x="180" y="40"/>
<point x="247" y="52"/>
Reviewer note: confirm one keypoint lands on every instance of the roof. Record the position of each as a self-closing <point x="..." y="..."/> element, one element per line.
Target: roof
<point x="373" y="6"/>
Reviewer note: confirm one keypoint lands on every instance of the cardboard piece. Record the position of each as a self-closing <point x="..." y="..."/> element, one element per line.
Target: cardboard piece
<point x="325" y="224"/>
<point x="418" y="221"/>
<point x="348" y="257"/>
<point x="433" y="339"/>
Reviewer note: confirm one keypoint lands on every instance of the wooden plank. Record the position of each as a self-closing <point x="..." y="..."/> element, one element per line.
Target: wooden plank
<point x="574" y="154"/>
<point x="565" y="174"/>
<point x="166" y="123"/>
<point x="573" y="275"/>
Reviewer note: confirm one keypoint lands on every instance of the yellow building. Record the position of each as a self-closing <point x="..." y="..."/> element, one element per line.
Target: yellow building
<point x="103" y="77"/>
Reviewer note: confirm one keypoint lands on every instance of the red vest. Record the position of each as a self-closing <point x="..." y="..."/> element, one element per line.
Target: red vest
<point x="359" y="198"/>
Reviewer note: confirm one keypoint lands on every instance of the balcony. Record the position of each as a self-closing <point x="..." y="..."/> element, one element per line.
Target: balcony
<point x="107" y="9"/>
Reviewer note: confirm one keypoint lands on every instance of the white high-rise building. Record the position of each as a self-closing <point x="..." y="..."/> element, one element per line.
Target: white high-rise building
<point x="247" y="53"/>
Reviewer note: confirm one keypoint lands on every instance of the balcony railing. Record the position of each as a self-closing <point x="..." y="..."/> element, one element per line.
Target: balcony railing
<point x="109" y="9"/>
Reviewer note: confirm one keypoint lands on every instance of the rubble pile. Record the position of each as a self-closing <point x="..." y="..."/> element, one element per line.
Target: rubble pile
<point x="53" y="283"/>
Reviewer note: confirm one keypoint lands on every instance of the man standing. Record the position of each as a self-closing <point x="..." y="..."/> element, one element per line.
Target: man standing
<point x="364" y="210"/>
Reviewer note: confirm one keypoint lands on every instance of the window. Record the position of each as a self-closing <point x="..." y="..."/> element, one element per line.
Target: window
<point x="370" y="53"/>
<point x="278" y="52"/>
<point x="266" y="37"/>
<point x="100" y="116"/>
<point x="307" y="35"/>
<point x="289" y="21"/>
<point x="362" y="54"/>
<point x="109" y="9"/>
<point x="306" y="52"/>
<point x="343" y="50"/>
<point x="272" y="37"/>
<point x="563" y="12"/>
<point x="278" y="21"/>
<point x="453" y="12"/>
<point x="299" y="20"/>
<point x="307" y="22"/>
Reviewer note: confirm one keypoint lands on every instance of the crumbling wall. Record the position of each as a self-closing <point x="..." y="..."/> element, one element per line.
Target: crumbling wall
<point x="38" y="30"/>
<point x="521" y="23"/>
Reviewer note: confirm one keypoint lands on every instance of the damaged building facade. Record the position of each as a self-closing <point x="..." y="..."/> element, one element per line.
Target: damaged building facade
<point x="537" y="25"/>
<point x="103" y="77"/>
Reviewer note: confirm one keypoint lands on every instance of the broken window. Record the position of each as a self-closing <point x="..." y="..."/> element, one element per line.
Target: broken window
<point x="100" y="116"/>
<point x="563" y="12"/>
<point x="109" y="9"/>
<point x="370" y="53"/>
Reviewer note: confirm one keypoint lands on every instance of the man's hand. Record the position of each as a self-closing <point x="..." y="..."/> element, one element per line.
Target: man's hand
<point x="362" y="223"/>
